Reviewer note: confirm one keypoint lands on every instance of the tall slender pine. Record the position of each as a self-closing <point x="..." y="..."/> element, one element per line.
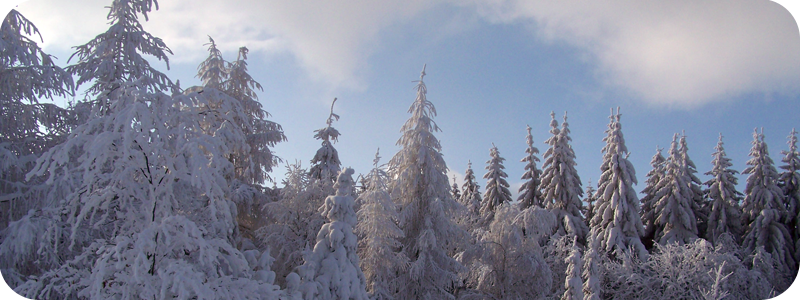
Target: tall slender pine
<point x="497" y="191"/>
<point x="560" y="181"/>
<point x="325" y="164"/>
<point x="470" y="195"/>
<point x="723" y="198"/>
<point x="675" y="220"/>
<point x="647" y="210"/>
<point x="789" y="181"/>
<point x="688" y="170"/>
<point x="530" y="191"/>
<point x="616" y="221"/>
<point x="763" y="206"/>
<point x="421" y="190"/>
<point x="379" y="248"/>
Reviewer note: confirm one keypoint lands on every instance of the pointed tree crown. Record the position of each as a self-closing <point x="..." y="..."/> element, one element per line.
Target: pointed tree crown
<point x="497" y="191"/>
<point x="28" y="72"/>
<point x="530" y="191"/>
<point x="326" y="164"/>
<point x="115" y="56"/>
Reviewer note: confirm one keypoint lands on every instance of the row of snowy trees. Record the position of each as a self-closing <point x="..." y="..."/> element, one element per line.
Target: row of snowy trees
<point x="148" y="190"/>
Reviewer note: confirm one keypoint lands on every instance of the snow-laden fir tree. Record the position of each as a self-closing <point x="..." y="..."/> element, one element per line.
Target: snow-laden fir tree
<point x="699" y="205"/>
<point x="455" y="190"/>
<point x="116" y="55"/>
<point x="254" y="160"/>
<point x="573" y="285"/>
<point x="763" y="207"/>
<point x="591" y="270"/>
<point x="674" y="218"/>
<point x="588" y="209"/>
<point x="497" y="191"/>
<point x="148" y="210"/>
<point x="253" y="166"/>
<point x="530" y="191"/>
<point x="379" y="246"/>
<point x="325" y="164"/>
<point x="331" y="270"/>
<point x="152" y="216"/>
<point x="29" y="127"/>
<point x="561" y="184"/>
<point x="470" y="195"/>
<point x="214" y="70"/>
<point x="647" y="210"/>
<point x="789" y="181"/>
<point x="723" y="198"/>
<point x="616" y="222"/>
<point x="420" y="188"/>
<point x="29" y="74"/>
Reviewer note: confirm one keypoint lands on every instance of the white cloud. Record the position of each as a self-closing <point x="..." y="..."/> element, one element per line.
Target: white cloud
<point x="331" y="39"/>
<point x="672" y="53"/>
<point x="675" y="53"/>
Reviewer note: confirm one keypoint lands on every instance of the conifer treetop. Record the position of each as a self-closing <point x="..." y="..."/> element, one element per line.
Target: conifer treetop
<point x="724" y="214"/>
<point x="28" y="72"/>
<point x="326" y="163"/>
<point x="214" y="70"/>
<point x="497" y="191"/>
<point x="530" y="191"/>
<point x="116" y="55"/>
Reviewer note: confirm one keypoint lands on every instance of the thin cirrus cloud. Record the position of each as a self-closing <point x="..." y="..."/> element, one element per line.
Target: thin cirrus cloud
<point x="668" y="53"/>
<point x="673" y="53"/>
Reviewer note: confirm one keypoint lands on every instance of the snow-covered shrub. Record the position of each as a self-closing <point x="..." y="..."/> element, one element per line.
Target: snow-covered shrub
<point x="695" y="270"/>
<point x="506" y="263"/>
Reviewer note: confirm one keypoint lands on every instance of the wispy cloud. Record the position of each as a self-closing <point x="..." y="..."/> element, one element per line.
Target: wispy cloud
<point x="330" y="39"/>
<point x="671" y="53"/>
<point x="675" y="53"/>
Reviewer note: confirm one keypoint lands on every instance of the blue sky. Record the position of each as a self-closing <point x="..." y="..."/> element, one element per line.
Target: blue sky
<point x="493" y="66"/>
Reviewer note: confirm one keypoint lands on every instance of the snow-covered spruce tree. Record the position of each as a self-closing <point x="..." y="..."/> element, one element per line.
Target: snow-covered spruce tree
<point x="591" y="274"/>
<point x="29" y="74"/>
<point x="561" y="184"/>
<point x="674" y="217"/>
<point x="454" y="189"/>
<point x="530" y="191"/>
<point x="724" y="213"/>
<point x="588" y="209"/>
<point x="420" y="189"/>
<point x="497" y="191"/>
<point x="789" y="181"/>
<point x="29" y="127"/>
<point x="471" y="195"/>
<point x="616" y="221"/>
<point x="573" y="285"/>
<point x="214" y="70"/>
<point x="763" y="207"/>
<point x="115" y="56"/>
<point x="325" y="164"/>
<point x="647" y="210"/>
<point x="253" y="161"/>
<point x="262" y="135"/>
<point x="688" y="169"/>
<point x="331" y="270"/>
<point x="379" y="248"/>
